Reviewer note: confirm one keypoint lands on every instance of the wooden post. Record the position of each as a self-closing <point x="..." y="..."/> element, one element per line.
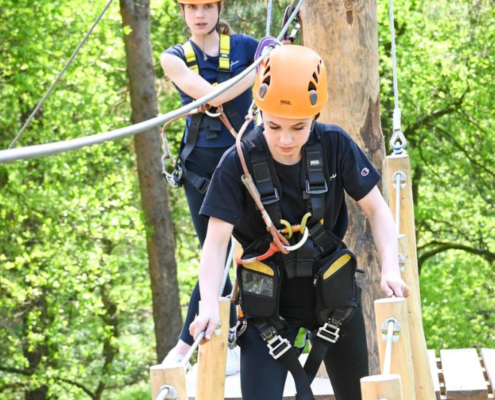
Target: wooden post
<point x="379" y="387"/>
<point x="407" y="247"/>
<point x="173" y="376"/>
<point x="345" y="34"/>
<point x="212" y="360"/>
<point x="401" y="350"/>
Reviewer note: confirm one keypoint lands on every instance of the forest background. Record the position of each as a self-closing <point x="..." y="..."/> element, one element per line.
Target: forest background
<point x="75" y="297"/>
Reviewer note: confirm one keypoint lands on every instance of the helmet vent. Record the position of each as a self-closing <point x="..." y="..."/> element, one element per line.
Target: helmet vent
<point x="267" y="80"/>
<point x="318" y="68"/>
<point x="311" y="87"/>
<point x="263" y="90"/>
<point x="267" y="70"/>
<point x="314" y="98"/>
<point x="315" y="77"/>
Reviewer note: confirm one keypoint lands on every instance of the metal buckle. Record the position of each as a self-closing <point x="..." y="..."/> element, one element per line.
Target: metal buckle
<point x="329" y="332"/>
<point x="272" y="198"/>
<point x="204" y="186"/>
<point x="318" y="190"/>
<point x="277" y="350"/>
<point x="269" y="334"/>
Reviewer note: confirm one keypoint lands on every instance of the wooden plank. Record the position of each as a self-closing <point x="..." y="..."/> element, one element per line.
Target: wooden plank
<point x="434" y="372"/>
<point x="463" y="375"/>
<point x="488" y="356"/>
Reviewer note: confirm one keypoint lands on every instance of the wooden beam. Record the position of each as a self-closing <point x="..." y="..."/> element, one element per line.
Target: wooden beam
<point x="174" y="376"/>
<point x="379" y="387"/>
<point x="401" y="364"/>
<point x="407" y="247"/>
<point x="212" y="359"/>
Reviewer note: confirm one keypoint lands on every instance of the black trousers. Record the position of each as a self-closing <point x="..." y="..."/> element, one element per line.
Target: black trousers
<point x="202" y="161"/>
<point x="263" y="378"/>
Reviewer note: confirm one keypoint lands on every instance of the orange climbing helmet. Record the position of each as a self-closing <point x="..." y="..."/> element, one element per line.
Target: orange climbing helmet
<point x="291" y="83"/>
<point x="198" y="1"/>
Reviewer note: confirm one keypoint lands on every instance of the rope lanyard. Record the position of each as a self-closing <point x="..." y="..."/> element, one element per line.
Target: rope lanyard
<point x="397" y="141"/>
<point x="57" y="79"/>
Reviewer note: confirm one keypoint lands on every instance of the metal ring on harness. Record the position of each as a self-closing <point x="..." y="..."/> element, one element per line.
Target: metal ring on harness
<point x="301" y="242"/>
<point x="213" y="115"/>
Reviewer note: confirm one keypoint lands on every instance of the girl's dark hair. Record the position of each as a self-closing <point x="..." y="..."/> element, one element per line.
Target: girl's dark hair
<point x="224" y="28"/>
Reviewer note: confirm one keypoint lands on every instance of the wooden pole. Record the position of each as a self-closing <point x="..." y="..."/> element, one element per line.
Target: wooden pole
<point x="379" y="387"/>
<point x="173" y="376"/>
<point x="345" y="34"/>
<point x="407" y="247"/>
<point x="212" y="359"/>
<point x="401" y="364"/>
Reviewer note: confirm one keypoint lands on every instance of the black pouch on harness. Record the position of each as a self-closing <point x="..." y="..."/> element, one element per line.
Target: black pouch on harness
<point x="259" y="285"/>
<point x="335" y="283"/>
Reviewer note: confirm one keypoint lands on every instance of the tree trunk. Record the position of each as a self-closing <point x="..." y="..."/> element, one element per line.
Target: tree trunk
<point x="154" y="194"/>
<point x="345" y="34"/>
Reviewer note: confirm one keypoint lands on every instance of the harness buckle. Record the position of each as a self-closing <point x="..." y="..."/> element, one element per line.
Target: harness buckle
<point x="270" y="198"/>
<point x="316" y="189"/>
<point x="277" y="345"/>
<point x="203" y="187"/>
<point x="329" y="332"/>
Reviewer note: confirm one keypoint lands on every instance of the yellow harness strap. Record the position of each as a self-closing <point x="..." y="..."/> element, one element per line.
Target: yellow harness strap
<point x="191" y="61"/>
<point x="224" y="57"/>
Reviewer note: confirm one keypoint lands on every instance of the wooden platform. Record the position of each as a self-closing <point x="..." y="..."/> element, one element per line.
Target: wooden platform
<point x="457" y="374"/>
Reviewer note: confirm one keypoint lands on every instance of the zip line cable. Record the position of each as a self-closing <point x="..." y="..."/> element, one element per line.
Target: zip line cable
<point x="398" y="141"/>
<point x="24" y="153"/>
<point x="57" y="79"/>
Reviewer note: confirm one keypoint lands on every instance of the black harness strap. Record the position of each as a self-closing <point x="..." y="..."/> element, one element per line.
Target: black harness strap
<point x="281" y="349"/>
<point x="265" y="177"/>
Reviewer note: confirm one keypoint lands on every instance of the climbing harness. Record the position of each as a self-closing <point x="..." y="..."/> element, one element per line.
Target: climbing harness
<point x="204" y="118"/>
<point x="265" y="262"/>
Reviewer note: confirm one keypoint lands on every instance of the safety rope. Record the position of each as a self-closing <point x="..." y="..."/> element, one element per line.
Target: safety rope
<point x="57" y="79"/>
<point x="269" y="17"/>
<point x="397" y="141"/>
<point x="279" y="243"/>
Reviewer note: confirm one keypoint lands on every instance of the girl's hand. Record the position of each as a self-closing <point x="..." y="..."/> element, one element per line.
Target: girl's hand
<point x="207" y="320"/>
<point x="392" y="284"/>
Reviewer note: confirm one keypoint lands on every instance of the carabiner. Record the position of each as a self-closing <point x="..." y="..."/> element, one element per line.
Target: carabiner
<point x="213" y="115"/>
<point x="175" y="177"/>
<point x="301" y="242"/>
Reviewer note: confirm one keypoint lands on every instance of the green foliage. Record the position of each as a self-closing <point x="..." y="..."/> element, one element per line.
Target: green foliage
<point x="445" y="67"/>
<point x="75" y="301"/>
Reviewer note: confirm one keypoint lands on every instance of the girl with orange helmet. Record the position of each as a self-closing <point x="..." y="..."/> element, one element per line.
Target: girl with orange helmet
<point x="299" y="166"/>
<point x="213" y="54"/>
